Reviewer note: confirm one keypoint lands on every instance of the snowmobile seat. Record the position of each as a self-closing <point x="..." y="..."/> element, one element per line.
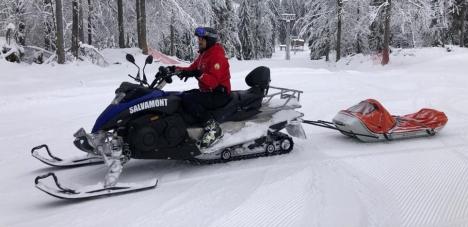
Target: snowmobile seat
<point x="259" y="78"/>
<point x="246" y="103"/>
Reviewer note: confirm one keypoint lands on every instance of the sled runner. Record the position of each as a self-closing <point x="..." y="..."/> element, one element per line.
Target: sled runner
<point x="369" y="121"/>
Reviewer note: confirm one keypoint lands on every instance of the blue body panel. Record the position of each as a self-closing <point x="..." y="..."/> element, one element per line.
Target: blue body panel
<point x="114" y="109"/>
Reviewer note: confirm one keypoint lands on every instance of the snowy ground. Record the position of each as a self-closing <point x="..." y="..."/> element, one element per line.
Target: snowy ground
<point x="327" y="180"/>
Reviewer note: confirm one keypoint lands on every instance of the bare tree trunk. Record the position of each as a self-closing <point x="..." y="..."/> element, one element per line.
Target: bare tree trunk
<point x="75" y="29"/>
<point x="462" y="24"/>
<point x="338" y="34"/>
<point x="138" y="17"/>
<point x="273" y="37"/>
<point x="358" y="40"/>
<point x="144" y="43"/>
<point x="172" y="35"/>
<point x="327" y="52"/>
<point x="54" y="29"/>
<point x="80" y="23"/>
<point x="60" y="48"/>
<point x="386" y="44"/>
<point x="90" y="21"/>
<point x="127" y="41"/>
<point x="121" y="24"/>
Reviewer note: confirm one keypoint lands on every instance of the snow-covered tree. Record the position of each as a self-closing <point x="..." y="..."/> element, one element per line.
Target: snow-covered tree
<point x="264" y="28"/>
<point x="297" y="7"/>
<point x="14" y="12"/>
<point x="225" y="22"/>
<point x="248" y="29"/>
<point x="181" y="17"/>
<point x="256" y="29"/>
<point x="245" y="31"/>
<point x="320" y="24"/>
<point x="48" y="21"/>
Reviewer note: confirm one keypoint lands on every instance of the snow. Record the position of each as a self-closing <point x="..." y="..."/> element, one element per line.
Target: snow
<point x="327" y="180"/>
<point x="10" y="26"/>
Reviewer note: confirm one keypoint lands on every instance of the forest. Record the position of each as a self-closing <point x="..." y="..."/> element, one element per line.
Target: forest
<point x="46" y="31"/>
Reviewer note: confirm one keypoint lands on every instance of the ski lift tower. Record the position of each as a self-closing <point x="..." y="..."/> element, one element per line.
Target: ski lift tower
<point x="288" y="17"/>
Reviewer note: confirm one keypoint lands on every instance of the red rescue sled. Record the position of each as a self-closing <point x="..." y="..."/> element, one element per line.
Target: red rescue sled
<point x="369" y="121"/>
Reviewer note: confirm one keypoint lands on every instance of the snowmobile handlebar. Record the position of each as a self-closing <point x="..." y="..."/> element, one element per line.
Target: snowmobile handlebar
<point x="163" y="74"/>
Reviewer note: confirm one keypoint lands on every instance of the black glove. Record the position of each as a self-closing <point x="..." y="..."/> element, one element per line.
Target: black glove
<point x="171" y="68"/>
<point x="197" y="73"/>
<point x="188" y="74"/>
<point x="162" y="71"/>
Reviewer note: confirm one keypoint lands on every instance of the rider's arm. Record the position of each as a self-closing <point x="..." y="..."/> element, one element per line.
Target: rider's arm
<point x="191" y="67"/>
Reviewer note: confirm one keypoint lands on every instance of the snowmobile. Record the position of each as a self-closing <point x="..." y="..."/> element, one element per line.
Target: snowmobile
<point x="369" y="121"/>
<point x="145" y="122"/>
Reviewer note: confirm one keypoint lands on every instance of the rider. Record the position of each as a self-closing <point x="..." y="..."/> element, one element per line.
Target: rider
<point x="211" y="69"/>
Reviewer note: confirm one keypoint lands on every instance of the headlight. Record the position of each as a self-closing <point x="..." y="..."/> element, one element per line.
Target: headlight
<point x="118" y="97"/>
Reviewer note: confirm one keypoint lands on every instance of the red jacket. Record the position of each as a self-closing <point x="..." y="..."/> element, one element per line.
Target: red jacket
<point x="214" y="67"/>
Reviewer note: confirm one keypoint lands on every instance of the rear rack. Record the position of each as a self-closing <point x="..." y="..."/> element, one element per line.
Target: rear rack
<point x="284" y="94"/>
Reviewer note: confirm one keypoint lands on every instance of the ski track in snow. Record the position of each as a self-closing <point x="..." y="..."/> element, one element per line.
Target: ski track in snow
<point x="327" y="180"/>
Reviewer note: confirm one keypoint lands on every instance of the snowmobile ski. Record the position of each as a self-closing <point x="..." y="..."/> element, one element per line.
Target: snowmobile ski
<point x="52" y="160"/>
<point x="89" y="192"/>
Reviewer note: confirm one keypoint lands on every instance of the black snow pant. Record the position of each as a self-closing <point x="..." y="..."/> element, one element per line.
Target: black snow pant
<point x="199" y="104"/>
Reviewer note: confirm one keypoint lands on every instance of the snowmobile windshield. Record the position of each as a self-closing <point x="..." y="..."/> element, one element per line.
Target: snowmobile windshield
<point x="118" y="97"/>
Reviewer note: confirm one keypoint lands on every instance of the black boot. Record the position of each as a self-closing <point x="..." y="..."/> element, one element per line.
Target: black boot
<point x="212" y="134"/>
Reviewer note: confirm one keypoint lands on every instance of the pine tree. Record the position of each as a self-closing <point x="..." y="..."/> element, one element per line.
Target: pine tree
<point x="49" y="25"/>
<point x="274" y="9"/>
<point x="318" y="27"/>
<point x="225" y="22"/>
<point x="245" y="31"/>
<point x="336" y="25"/>
<point x="463" y="6"/>
<point x="264" y="19"/>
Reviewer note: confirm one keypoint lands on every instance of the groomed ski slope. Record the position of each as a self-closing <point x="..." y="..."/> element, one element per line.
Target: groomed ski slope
<point x="327" y="180"/>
